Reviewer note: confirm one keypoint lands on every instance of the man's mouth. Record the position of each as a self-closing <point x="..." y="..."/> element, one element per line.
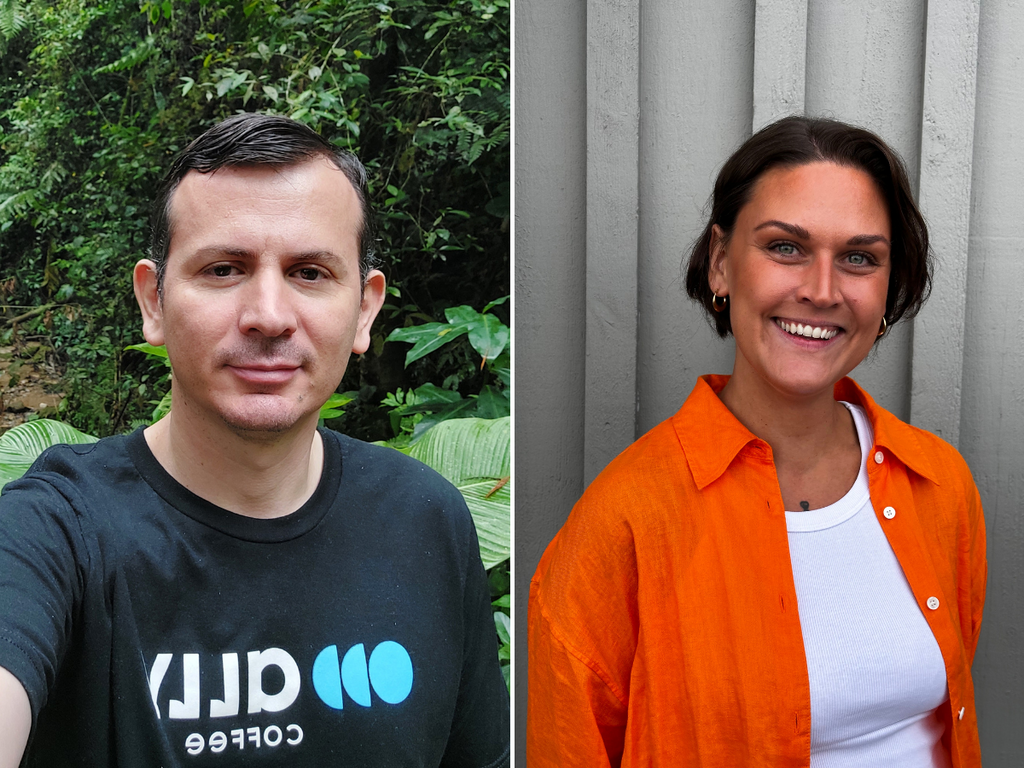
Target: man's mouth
<point x="264" y="373"/>
<point x="824" y="332"/>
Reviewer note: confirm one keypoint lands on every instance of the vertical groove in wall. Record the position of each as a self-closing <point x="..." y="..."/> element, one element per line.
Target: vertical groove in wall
<point x="947" y="149"/>
<point x="780" y="59"/>
<point x="613" y="65"/>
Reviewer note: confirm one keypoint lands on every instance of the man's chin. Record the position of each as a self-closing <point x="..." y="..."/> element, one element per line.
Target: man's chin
<point x="266" y="418"/>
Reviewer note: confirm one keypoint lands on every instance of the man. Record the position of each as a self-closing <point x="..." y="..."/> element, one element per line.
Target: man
<point x="232" y="585"/>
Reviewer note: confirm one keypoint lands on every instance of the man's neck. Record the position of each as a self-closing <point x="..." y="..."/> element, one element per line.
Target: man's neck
<point x="260" y="478"/>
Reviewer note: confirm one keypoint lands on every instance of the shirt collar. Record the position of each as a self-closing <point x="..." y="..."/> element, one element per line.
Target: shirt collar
<point x="711" y="436"/>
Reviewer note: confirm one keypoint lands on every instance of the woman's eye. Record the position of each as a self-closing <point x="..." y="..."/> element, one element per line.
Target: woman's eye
<point x="858" y="259"/>
<point x="785" y="249"/>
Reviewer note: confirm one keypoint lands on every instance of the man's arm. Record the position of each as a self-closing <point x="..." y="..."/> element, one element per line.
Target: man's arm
<point x="15" y="720"/>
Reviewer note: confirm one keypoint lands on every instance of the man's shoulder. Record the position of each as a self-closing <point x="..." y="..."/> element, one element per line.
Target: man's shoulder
<point x="395" y="478"/>
<point x="70" y="466"/>
<point x="376" y="460"/>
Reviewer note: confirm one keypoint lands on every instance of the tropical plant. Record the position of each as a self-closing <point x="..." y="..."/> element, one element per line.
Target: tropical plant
<point x="415" y="411"/>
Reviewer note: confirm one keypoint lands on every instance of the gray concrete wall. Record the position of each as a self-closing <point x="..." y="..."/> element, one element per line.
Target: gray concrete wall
<point x="992" y="414"/>
<point x="550" y="286"/>
<point x="624" y="112"/>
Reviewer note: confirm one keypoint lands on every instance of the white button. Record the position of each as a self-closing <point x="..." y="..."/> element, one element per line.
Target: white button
<point x="889" y="513"/>
<point x="932" y="602"/>
<point x="961" y="715"/>
<point x="879" y="458"/>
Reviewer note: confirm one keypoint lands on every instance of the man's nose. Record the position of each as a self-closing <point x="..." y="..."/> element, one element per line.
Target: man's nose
<point x="267" y="306"/>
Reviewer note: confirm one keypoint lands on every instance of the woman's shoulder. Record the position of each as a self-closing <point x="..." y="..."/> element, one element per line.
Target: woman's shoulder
<point x="925" y="453"/>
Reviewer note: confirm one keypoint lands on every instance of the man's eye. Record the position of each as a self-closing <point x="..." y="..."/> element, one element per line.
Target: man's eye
<point x="310" y="273"/>
<point x="222" y="270"/>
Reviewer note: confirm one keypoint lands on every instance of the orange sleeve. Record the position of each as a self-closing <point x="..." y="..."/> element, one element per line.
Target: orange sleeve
<point x="573" y="716"/>
<point x="583" y="623"/>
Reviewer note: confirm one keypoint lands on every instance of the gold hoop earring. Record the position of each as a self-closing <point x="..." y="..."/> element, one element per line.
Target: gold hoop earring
<point x="884" y="328"/>
<point x="714" y="302"/>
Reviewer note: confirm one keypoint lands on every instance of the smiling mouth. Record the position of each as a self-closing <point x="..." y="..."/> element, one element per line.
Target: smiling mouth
<point x="807" y="331"/>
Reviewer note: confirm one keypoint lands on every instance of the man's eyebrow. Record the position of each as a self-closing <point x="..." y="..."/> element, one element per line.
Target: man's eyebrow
<point x="318" y="256"/>
<point x="794" y="229"/>
<point x="315" y="256"/>
<point x="223" y="250"/>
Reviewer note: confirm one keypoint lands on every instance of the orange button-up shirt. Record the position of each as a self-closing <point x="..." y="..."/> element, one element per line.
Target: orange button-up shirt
<point x="663" y="624"/>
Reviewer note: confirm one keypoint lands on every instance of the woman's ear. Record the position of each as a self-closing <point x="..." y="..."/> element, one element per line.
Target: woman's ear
<point x="718" y="277"/>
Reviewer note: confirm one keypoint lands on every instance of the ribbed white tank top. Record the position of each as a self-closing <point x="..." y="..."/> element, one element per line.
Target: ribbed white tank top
<point x="875" y="669"/>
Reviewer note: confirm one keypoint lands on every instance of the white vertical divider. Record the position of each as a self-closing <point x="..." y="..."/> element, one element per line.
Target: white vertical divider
<point x="780" y="59"/>
<point x="613" y="93"/>
<point x="947" y="149"/>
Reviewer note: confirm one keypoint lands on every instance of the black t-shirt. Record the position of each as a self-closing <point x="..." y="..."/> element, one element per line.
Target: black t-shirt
<point x="152" y="628"/>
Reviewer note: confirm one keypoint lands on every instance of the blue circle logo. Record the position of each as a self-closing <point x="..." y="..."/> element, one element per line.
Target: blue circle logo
<point x="388" y="672"/>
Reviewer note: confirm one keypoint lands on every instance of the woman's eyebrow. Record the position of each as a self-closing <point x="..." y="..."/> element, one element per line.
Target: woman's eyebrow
<point x="794" y="229"/>
<point x="797" y="231"/>
<point x="868" y="240"/>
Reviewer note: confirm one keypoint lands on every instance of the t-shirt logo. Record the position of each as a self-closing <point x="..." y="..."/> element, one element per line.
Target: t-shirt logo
<point x="389" y="672"/>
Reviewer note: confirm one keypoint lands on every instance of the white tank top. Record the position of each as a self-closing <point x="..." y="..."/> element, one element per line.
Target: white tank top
<point x="876" y="672"/>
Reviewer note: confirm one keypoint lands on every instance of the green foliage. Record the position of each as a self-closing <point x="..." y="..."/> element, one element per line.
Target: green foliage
<point x="95" y="99"/>
<point x="415" y="411"/>
<point x="474" y="454"/>
<point x="13" y="19"/>
<point x="488" y="335"/>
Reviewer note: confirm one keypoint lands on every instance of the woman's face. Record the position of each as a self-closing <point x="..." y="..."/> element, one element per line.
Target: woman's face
<point x="806" y="271"/>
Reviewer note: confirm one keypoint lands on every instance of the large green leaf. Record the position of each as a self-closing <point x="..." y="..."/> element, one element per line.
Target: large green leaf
<point x="474" y="454"/>
<point x="461" y="449"/>
<point x="20" y="446"/>
<point x="426" y="338"/>
<point x="147" y="348"/>
<point x="336" y="403"/>
<point x="492" y="515"/>
<point x="462" y="315"/>
<point x="489" y="337"/>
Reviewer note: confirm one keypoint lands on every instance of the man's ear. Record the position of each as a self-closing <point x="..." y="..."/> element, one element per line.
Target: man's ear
<point x="718" y="274"/>
<point x="144" y="280"/>
<point x="374" y="289"/>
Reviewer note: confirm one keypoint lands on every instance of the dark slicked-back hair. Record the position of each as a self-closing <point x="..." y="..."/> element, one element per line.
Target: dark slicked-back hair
<point x="249" y="140"/>
<point x="795" y="141"/>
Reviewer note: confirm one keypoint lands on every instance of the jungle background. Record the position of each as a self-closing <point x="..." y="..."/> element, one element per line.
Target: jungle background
<point x="96" y="98"/>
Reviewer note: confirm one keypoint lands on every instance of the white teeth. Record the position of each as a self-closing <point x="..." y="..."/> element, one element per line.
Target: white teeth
<point x="808" y="331"/>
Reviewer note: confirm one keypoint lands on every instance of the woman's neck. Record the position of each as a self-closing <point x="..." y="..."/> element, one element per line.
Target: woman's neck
<point x="813" y="439"/>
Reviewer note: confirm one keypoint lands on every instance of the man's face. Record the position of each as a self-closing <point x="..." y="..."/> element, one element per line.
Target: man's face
<point x="261" y="301"/>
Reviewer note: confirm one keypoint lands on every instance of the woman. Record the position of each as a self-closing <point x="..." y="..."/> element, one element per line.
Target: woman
<point x="783" y="573"/>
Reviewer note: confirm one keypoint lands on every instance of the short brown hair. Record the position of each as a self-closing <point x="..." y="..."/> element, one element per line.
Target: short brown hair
<point x="795" y="141"/>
